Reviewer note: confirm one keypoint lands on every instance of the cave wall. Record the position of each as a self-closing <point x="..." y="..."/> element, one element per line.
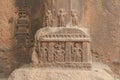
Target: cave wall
<point x="7" y="16"/>
<point x="102" y="17"/>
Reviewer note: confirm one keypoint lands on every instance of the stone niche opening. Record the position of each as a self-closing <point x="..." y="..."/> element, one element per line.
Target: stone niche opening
<point x="62" y="47"/>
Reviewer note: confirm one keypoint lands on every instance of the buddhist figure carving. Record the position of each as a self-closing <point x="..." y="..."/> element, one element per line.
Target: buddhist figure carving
<point x="61" y="18"/>
<point x="77" y="53"/>
<point x="59" y="52"/>
<point x="48" y="19"/>
<point x="74" y="17"/>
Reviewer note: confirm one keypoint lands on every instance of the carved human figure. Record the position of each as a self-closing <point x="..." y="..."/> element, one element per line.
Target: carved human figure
<point x="74" y="17"/>
<point x="77" y="53"/>
<point x="59" y="52"/>
<point x="48" y="19"/>
<point x="61" y="18"/>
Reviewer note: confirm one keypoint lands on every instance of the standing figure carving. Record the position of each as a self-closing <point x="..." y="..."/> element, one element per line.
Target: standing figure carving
<point x="61" y="18"/>
<point x="48" y="19"/>
<point x="59" y="52"/>
<point x="77" y="53"/>
<point x="74" y="17"/>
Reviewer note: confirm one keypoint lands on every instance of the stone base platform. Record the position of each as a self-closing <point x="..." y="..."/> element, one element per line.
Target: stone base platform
<point x="72" y="65"/>
<point x="59" y="74"/>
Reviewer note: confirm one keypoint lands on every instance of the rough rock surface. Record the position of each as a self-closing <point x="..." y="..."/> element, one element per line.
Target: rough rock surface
<point x="101" y="72"/>
<point x="7" y="17"/>
<point x="103" y="19"/>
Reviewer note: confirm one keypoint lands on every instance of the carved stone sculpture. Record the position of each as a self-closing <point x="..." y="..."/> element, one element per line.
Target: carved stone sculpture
<point x="59" y="52"/>
<point x="48" y="19"/>
<point x="74" y="17"/>
<point x="61" y="18"/>
<point x="77" y="53"/>
<point x="59" y="47"/>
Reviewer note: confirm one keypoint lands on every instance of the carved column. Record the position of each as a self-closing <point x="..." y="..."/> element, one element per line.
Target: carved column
<point x="89" y="52"/>
<point x="51" y="52"/>
<point x="85" y="52"/>
<point x="39" y="51"/>
<point x="44" y="51"/>
<point x="68" y="57"/>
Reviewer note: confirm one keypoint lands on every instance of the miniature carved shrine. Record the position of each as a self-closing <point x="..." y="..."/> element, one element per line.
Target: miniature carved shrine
<point x="61" y="45"/>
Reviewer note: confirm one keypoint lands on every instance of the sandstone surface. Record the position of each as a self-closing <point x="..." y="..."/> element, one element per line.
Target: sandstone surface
<point x="101" y="72"/>
<point x="101" y="16"/>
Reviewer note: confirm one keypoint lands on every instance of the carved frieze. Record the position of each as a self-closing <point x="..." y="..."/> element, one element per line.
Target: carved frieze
<point x="62" y="48"/>
<point x="57" y="51"/>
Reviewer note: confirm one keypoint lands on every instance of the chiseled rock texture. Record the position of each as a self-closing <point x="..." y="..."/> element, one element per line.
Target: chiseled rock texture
<point x="98" y="73"/>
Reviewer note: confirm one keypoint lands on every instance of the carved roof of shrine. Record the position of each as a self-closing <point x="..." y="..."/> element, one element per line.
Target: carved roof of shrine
<point x="62" y="34"/>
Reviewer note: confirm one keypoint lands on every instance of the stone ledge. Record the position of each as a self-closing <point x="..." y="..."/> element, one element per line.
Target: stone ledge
<point x="58" y="74"/>
<point x="69" y="65"/>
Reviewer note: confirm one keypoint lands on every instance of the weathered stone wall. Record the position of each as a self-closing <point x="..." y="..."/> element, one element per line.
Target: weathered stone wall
<point x="7" y="16"/>
<point x="103" y="19"/>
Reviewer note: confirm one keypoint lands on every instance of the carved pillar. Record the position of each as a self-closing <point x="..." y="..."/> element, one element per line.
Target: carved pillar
<point x="51" y="52"/>
<point x="44" y="51"/>
<point x="68" y="57"/>
<point x="89" y="52"/>
<point x="39" y="51"/>
<point x="85" y="51"/>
